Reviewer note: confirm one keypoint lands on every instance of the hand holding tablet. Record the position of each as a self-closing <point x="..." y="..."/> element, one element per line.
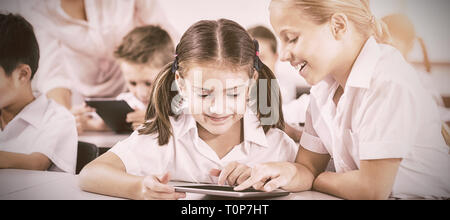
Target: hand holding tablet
<point x="113" y="112"/>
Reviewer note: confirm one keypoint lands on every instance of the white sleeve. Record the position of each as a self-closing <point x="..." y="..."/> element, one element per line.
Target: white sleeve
<point x="310" y="139"/>
<point x="150" y="12"/>
<point x="51" y="73"/>
<point x="58" y="140"/>
<point x="389" y="123"/>
<point x="142" y="155"/>
<point x="124" y="151"/>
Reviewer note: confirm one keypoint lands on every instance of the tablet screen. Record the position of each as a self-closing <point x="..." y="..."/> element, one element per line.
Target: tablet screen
<point x="221" y="188"/>
<point x="228" y="191"/>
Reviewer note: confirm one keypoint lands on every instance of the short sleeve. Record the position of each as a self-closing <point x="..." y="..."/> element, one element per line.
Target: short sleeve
<point x="388" y="122"/>
<point x="124" y="150"/>
<point x="151" y="12"/>
<point x="143" y="156"/>
<point x="310" y="139"/>
<point x="58" y="139"/>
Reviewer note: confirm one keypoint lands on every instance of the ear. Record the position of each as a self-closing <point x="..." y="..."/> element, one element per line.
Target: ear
<point x="255" y="75"/>
<point x="22" y="73"/>
<point x="180" y="82"/>
<point x="339" y="25"/>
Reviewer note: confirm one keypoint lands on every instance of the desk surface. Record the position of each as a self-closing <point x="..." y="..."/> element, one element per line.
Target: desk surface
<point x="38" y="185"/>
<point x="102" y="139"/>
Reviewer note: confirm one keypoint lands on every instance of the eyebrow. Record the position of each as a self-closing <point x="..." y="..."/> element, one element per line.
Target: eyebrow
<point x="233" y="88"/>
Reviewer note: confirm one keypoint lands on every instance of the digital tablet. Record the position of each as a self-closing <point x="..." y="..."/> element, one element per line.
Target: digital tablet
<point x="113" y="112"/>
<point x="228" y="191"/>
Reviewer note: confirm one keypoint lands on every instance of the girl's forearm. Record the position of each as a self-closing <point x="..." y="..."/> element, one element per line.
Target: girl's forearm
<point x="105" y="180"/>
<point x="302" y="180"/>
<point x="349" y="185"/>
<point x="34" y="161"/>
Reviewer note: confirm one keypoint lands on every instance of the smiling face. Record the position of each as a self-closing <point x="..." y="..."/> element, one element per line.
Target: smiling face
<point x="217" y="97"/>
<point x="311" y="48"/>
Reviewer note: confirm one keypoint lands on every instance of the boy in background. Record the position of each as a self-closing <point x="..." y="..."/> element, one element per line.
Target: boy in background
<point x="36" y="133"/>
<point x="141" y="55"/>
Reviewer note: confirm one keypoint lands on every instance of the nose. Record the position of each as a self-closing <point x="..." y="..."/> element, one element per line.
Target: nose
<point x="217" y="105"/>
<point x="285" y="54"/>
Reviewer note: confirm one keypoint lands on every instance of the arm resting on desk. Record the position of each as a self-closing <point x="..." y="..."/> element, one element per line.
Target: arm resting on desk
<point x="107" y="175"/>
<point x="293" y="177"/>
<point x="34" y="161"/>
<point x="374" y="180"/>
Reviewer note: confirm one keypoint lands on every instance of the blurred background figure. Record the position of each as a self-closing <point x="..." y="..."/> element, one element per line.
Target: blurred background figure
<point x="294" y="109"/>
<point x="80" y="38"/>
<point x="404" y="38"/>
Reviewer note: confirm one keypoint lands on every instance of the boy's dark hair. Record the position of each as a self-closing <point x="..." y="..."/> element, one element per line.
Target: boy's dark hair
<point x="263" y="33"/>
<point x="18" y="44"/>
<point x="146" y="44"/>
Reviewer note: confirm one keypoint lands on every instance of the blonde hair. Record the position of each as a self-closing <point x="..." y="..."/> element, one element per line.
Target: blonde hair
<point x="357" y="11"/>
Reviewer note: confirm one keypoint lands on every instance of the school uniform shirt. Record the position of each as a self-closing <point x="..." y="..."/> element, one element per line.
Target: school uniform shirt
<point x="78" y="54"/>
<point x="43" y="127"/>
<point x="132" y="101"/>
<point x="189" y="158"/>
<point x="385" y="112"/>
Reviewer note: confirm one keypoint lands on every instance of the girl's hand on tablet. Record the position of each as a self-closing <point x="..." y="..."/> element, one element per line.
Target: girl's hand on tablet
<point x="269" y="176"/>
<point x="154" y="188"/>
<point x="234" y="173"/>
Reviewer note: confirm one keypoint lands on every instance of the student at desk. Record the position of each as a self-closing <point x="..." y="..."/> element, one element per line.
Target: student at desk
<point x="367" y="110"/>
<point x="143" y="52"/>
<point x="205" y="114"/>
<point x="36" y="133"/>
<point x="80" y="38"/>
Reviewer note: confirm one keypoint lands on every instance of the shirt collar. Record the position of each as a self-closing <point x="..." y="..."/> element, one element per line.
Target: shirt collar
<point x="34" y="112"/>
<point x="253" y="131"/>
<point x="364" y="66"/>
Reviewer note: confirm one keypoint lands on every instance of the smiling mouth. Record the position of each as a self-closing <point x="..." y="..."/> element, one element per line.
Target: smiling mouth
<point x="300" y="67"/>
<point x="218" y="119"/>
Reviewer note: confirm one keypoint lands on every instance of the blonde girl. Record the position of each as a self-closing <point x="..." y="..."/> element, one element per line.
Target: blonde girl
<point x="206" y="114"/>
<point x="367" y="111"/>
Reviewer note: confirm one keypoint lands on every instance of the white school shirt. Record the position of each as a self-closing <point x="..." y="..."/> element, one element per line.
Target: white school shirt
<point x="188" y="158"/>
<point x="385" y="112"/>
<point x="132" y="101"/>
<point x="79" y="55"/>
<point x="43" y="127"/>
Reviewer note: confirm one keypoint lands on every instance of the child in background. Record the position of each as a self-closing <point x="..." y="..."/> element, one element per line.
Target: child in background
<point x="269" y="55"/>
<point x="141" y="55"/>
<point x="404" y="38"/>
<point x="205" y="115"/>
<point x="36" y="133"/>
<point x="367" y="110"/>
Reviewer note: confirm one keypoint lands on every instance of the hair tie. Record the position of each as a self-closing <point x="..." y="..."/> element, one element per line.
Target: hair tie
<point x="257" y="62"/>
<point x="372" y="19"/>
<point x="175" y="64"/>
